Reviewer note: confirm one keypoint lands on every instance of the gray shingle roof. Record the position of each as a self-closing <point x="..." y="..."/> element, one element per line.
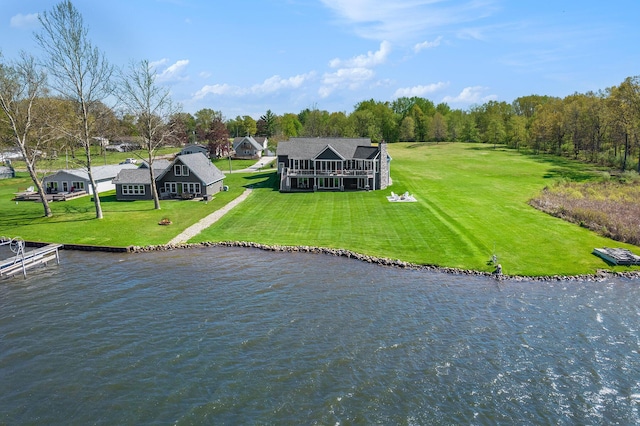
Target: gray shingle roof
<point x="306" y="148"/>
<point x="159" y="164"/>
<point x="200" y="166"/>
<point x="100" y="173"/>
<point x="256" y="145"/>
<point x="366" y="152"/>
<point x="138" y="176"/>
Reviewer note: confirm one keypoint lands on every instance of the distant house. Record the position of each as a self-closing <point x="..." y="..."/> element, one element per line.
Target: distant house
<point x="7" y="171"/>
<point x="188" y="176"/>
<point x="332" y="164"/>
<point x="249" y="147"/>
<point x="194" y="149"/>
<point x="71" y="180"/>
<point x="160" y="163"/>
<point x="125" y="144"/>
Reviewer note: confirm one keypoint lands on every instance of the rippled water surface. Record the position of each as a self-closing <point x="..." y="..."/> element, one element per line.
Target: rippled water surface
<point x="237" y="336"/>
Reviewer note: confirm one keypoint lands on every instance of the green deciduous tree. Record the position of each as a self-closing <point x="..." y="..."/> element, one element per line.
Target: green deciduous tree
<point x="22" y="86"/>
<point x="79" y="72"/>
<point x="290" y="125"/>
<point x="152" y="106"/>
<point x="407" y="129"/>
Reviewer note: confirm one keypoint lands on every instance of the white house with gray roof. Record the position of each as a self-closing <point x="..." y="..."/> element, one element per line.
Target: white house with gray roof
<point x="249" y="147"/>
<point x="71" y="180"/>
<point x="332" y="164"/>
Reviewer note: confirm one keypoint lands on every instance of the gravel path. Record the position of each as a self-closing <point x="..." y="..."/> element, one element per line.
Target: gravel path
<point x="207" y="221"/>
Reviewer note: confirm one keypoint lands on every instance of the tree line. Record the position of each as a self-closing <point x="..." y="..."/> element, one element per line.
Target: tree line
<point x="72" y="97"/>
<point x="600" y="127"/>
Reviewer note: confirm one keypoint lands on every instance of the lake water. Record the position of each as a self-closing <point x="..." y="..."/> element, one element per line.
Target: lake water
<point x="243" y="336"/>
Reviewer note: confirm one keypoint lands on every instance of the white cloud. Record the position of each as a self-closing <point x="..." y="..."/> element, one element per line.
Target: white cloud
<point x="270" y="85"/>
<point x="216" y="89"/>
<point x="344" y="78"/>
<point x="159" y="63"/>
<point x="419" y="91"/>
<point x="172" y="73"/>
<point x="24" y="21"/>
<point x="352" y="73"/>
<point x="276" y="83"/>
<point x="364" y="61"/>
<point x="427" y="44"/>
<point x="470" y="95"/>
<point x="406" y="19"/>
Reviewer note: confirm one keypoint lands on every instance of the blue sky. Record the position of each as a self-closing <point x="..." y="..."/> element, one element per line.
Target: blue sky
<point x="243" y="57"/>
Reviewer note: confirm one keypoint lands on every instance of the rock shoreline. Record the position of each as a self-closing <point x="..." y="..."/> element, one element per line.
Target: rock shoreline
<point x="382" y="261"/>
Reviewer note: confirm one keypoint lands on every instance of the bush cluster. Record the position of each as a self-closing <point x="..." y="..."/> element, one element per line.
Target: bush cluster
<point x="611" y="208"/>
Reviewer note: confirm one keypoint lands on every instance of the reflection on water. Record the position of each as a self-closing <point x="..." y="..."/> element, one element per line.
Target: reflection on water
<point x="229" y="335"/>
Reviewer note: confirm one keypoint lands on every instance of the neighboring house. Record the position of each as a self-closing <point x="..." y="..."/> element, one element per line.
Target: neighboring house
<point x="249" y="146"/>
<point x="134" y="184"/>
<point x="78" y="179"/>
<point x="188" y="176"/>
<point x="124" y="144"/>
<point x="160" y="163"/>
<point x="194" y="149"/>
<point x="332" y="164"/>
<point x="7" y="171"/>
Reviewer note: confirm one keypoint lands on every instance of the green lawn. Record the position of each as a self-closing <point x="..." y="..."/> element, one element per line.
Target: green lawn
<point x="125" y="223"/>
<point x="472" y="203"/>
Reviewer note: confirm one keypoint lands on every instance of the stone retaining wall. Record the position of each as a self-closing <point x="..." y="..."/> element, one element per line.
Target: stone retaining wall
<point x="599" y="276"/>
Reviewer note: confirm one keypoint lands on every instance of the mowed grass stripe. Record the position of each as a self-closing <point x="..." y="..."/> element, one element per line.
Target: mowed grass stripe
<point x="472" y="203"/>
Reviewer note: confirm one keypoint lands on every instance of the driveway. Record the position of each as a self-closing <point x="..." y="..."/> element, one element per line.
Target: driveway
<point x="257" y="166"/>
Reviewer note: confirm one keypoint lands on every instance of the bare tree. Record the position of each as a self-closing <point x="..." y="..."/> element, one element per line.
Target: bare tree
<point x="152" y="106"/>
<point x="22" y="85"/>
<point x="79" y="72"/>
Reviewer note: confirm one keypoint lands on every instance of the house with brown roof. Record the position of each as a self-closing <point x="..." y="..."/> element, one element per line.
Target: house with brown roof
<point x="332" y="164"/>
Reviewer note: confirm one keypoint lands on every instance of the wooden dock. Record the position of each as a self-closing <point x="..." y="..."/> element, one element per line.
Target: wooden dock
<point x="24" y="260"/>
<point x="617" y="256"/>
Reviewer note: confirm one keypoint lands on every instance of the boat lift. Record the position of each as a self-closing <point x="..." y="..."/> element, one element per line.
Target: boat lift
<point x="23" y="259"/>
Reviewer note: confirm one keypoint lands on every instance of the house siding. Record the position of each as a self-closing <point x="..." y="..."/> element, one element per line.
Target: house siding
<point x="121" y="196"/>
<point x="332" y="165"/>
<point x="63" y="180"/>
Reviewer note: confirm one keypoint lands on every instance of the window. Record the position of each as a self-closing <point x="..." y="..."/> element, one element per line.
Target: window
<point x="191" y="188"/>
<point x="78" y="186"/>
<point x="133" y="190"/>
<point x="180" y="170"/>
<point x="171" y="187"/>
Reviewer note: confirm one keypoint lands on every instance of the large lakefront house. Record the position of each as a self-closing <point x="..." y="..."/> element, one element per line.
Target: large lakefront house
<point x="332" y="164"/>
